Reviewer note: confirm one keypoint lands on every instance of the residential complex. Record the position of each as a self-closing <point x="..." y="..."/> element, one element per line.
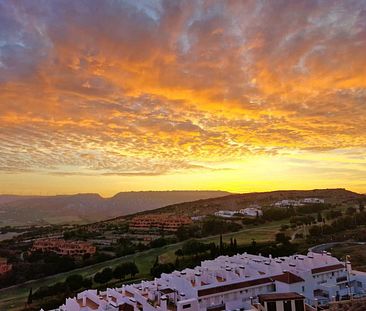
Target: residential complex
<point x="252" y="211"/>
<point x="243" y="281"/>
<point x="64" y="248"/>
<point x="155" y="222"/>
<point x="226" y="214"/>
<point x="295" y="203"/>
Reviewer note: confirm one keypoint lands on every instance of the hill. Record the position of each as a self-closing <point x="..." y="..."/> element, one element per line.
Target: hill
<point x="89" y="207"/>
<point x="238" y="201"/>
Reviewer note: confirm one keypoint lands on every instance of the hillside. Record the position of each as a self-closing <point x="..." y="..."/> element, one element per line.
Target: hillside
<point x="238" y="201"/>
<point x="85" y="208"/>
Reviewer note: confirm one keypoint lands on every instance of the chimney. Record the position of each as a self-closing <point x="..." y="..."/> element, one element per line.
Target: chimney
<point x="164" y="303"/>
<point x="197" y="278"/>
<point x="84" y="301"/>
<point x="241" y="271"/>
<point x="228" y="274"/>
<point x="151" y="295"/>
<point x="123" y="290"/>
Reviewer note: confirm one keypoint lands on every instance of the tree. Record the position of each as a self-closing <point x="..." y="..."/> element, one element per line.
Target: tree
<point x="74" y="282"/>
<point x="132" y="268"/>
<point x="158" y="269"/>
<point x="350" y="211"/>
<point x="315" y="231"/>
<point x="104" y="276"/>
<point x="158" y="242"/>
<point x="319" y="217"/>
<point x="119" y="272"/>
<point x="87" y="283"/>
<point x="221" y="244"/>
<point x="282" y="238"/>
<point x="179" y="252"/>
<point x="193" y="247"/>
<point x="30" y="297"/>
<point x="284" y="227"/>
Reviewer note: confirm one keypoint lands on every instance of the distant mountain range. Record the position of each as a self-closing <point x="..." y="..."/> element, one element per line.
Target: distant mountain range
<point x="85" y="208"/>
<point x="90" y="207"/>
<point x="238" y="201"/>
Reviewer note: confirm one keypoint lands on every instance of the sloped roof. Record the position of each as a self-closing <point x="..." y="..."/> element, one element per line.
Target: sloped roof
<point x="288" y="278"/>
<point x="327" y="268"/>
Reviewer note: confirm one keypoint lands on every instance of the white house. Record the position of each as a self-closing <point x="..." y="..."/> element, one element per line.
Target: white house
<point x="243" y="281"/>
<point x="312" y="201"/>
<point x="288" y="203"/>
<point x="226" y="214"/>
<point x="251" y="212"/>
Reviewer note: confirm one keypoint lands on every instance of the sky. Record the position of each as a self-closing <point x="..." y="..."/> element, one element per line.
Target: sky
<point x="109" y="96"/>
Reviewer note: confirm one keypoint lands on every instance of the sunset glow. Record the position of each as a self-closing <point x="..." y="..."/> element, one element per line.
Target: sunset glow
<point x="108" y="96"/>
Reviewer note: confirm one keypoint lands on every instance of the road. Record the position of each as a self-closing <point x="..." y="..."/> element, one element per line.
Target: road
<point x="323" y="247"/>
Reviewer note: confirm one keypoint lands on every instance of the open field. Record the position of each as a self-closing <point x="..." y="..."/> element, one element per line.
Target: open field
<point x="13" y="298"/>
<point x="357" y="253"/>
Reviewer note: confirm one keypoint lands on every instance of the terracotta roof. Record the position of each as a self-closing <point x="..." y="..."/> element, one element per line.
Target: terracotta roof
<point x="288" y="278"/>
<point x="279" y="296"/>
<point x="327" y="268"/>
<point x="229" y="287"/>
<point x="125" y="307"/>
<point x="166" y="291"/>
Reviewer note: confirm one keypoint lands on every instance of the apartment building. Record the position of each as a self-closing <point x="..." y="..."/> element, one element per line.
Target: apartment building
<point x="155" y="222"/>
<point x="226" y="214"/>
<point x="313" y="201"/>
<point x="244" y="281"/>
<point x="251" y="211"/>
<point x="296" y="203"/>
<point x="63" y="248"/>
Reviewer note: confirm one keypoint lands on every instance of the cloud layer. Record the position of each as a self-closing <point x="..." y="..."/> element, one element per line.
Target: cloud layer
<point x="148" y="88"/>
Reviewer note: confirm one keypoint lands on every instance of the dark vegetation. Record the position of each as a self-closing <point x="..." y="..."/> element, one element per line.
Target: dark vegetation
<point x="323" y="222"/>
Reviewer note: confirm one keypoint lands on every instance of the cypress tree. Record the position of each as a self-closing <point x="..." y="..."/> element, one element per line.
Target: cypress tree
<point x="221" y="245"/>
<point x="30" y="297"/>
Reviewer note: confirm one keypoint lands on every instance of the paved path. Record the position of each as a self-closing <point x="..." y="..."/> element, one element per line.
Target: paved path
<point x="323" y="247"/>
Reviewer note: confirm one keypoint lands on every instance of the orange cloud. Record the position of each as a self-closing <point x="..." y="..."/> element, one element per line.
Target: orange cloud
<point x="132" y="89"/>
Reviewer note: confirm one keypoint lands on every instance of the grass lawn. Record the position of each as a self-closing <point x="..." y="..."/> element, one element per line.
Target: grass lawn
<point x="13" y="298"/>
<point x="357" y="253"/>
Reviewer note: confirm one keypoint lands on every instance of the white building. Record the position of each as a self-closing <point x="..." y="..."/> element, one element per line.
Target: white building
<point x="288" y="203"/>
<point x="312" y="201"/>
<point x="245" y="282"/>
<point x="226" y="214"/>
<point x="251" y="212"/>
<point x="295" y="203"/>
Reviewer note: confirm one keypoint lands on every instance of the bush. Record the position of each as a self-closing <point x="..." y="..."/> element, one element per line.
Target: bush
<point x="74" y="282"/>
<point x="104" y="276"/>
<point x="158" y="269"/>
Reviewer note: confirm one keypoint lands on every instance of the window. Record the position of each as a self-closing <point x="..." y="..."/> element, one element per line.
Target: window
<point x="299" y="305"/>
<point x="287" y="306"/>
<point x="187" y="306"/>
<point x="271" y="306"/>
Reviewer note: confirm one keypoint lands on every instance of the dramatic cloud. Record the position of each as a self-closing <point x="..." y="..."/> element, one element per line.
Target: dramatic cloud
<point x="149" y="88"/>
